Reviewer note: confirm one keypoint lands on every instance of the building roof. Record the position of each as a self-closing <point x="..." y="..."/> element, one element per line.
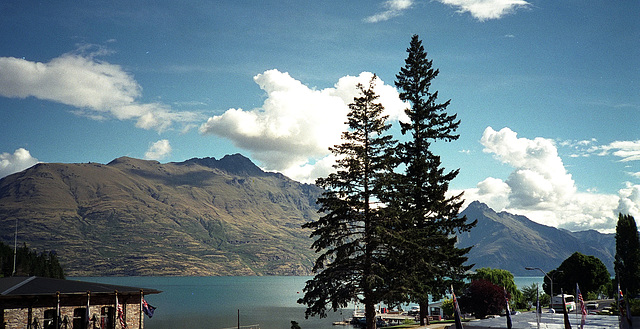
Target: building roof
<point x="38" y="286"/>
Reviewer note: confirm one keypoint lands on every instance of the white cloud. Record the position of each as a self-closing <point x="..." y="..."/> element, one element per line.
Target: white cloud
<point x="486" y="9"/>
<point x="96" y="87"/>
<point x="540" y="187"/>
<point x="20" y="160"/>
<point x="158" y="150"/>
<point x="492" y="191"/>
<point x="629" y="203"/>
<point x="394" y="8"/>
<point x="293" y="129"/>
<point x="540" y="177"/>
<point x="627" y="150"/>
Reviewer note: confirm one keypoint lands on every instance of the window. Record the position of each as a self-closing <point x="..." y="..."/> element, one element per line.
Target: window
<point x="107" y="317"/>
<point x="49" y="319"/>
<point x="80" y="318"/>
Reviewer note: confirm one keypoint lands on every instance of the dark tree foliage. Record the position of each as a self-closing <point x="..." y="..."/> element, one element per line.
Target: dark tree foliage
<point x="349" y="233"/>
<point x="29" y="263"/>
<point x="587" y="271"/>
<point x="501" y="278"/>
<point x="425" y="217"/>
<point x="482" y="298"/>
<point x="627" y="259"/>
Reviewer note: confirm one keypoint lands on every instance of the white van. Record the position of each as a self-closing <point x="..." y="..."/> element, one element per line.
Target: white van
<point x="569" y="302"/>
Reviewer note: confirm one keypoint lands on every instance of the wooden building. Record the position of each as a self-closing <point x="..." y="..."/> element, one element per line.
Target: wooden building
<point x="45" y="303"/>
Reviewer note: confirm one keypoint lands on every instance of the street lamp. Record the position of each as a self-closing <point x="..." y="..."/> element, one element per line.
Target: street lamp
<point x="545" y="274"/>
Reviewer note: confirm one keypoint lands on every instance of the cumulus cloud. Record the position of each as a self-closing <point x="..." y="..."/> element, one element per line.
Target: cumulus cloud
<point x="158" y="150"/>
<point x="483" y="10"/>
<point x="540" y="187"/>
<point x="539" y="177"/>
<point x="293" y="129"/>
<point x="629" y="202"/>
<point x="20" y="160"/>
<point x="492" y="191"/>
<point x="97" y="88"/>
<point x="394" y="8"/>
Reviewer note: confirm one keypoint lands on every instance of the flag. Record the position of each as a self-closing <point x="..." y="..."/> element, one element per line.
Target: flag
<point x="583" y="310"/>
<point x="508" y="310"/>
<point x="147" y="309"/>
<point x="567" y="324"/>
<point x="456" y="310"/>
<point x="123" y="323"/>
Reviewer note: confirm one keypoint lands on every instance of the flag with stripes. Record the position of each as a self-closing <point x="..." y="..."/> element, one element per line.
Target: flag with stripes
<point x="583" y="310"/>
<point x="120" y="315"/>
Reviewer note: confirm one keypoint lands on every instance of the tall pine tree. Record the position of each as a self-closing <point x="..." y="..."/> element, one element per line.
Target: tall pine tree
<point x="426" y="217"/>
<point x="627" y="259"/>
<point x="348" y="235"/>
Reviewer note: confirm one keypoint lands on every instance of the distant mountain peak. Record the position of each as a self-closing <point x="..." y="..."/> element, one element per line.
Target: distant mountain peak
<point x="236" y="164"/>
<point x="125" y="160"/>
<point x="479" y="205"/>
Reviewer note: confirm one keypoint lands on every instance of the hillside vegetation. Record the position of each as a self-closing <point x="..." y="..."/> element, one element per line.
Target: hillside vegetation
<point x="137" y="217"/>
<point x="512" y="242"/>
<point x="222" y="217"/>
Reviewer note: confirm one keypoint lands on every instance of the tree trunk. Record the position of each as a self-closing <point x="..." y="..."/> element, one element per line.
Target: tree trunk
<point x="424" y="313"/>
<point x="370" y="315"/>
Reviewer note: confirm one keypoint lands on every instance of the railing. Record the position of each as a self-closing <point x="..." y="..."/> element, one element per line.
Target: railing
<point x="251" y="326"/>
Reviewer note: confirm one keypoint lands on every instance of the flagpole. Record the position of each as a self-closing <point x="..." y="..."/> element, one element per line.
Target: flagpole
<point x="57" y="322"/>
<point x="538" y="313"/>
<point x="141" y="317"/>
<point x="456" y="310"/>
<point x="88" y="313"/>
<point x="15" y="248"/>
<point x="115" y="313"/>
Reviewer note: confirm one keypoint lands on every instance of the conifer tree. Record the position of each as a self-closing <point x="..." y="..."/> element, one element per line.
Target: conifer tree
<point x="627" y="259"/>
<point x="426" y="216"/>
<point x="348" y="235"/>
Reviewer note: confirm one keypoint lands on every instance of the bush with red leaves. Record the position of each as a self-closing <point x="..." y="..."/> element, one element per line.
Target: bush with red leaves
<point x="483" y="298"/>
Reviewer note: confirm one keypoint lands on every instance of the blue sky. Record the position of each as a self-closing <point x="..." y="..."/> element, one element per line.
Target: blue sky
<point x="547" y="91"/>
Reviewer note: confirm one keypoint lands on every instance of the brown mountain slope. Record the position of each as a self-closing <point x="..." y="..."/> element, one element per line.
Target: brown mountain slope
<point x="137" y="217"/>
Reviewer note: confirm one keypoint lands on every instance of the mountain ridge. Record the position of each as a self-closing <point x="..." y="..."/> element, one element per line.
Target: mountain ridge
<point x="141" y="217"/>
<point x="205" y="216"/>
<point x="513" y="242"/>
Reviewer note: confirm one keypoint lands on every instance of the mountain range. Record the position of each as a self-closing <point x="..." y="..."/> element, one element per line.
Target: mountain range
<point x="513" y="242"/>
<point x="138" y="217"/>
<point x="222" y="217"/>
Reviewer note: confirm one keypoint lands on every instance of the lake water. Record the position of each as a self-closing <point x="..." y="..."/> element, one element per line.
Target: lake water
<point x="213" y="302"/>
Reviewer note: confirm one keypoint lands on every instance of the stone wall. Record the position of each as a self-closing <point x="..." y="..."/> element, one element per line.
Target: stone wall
<point x="18" y="318"/>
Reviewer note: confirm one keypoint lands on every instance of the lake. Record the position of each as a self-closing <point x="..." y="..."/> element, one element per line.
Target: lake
<point x="214" y="302"/>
